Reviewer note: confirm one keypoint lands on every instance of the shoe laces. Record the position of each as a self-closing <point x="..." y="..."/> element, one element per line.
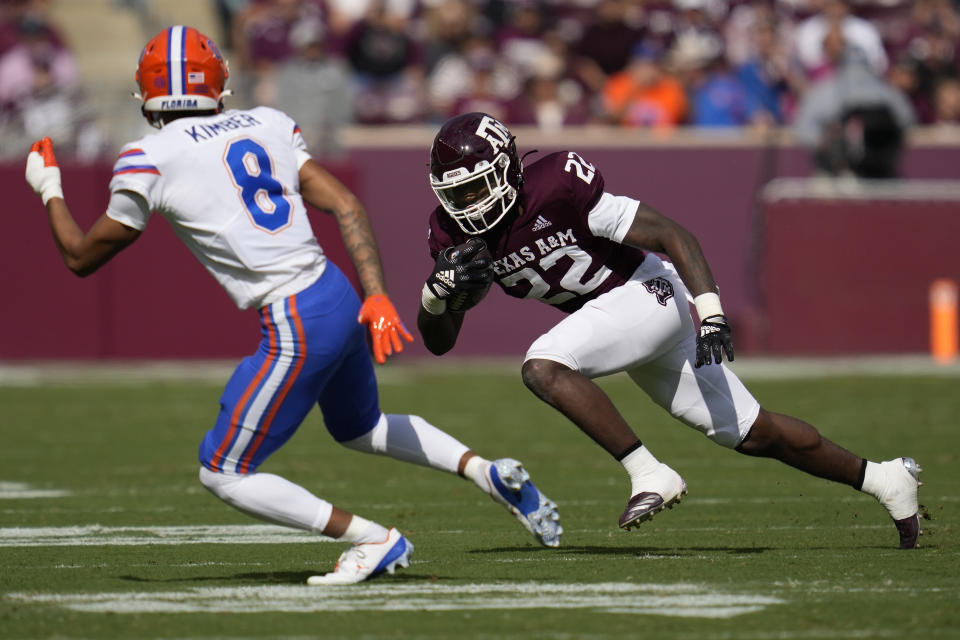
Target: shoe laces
<point x="351" y="560"/>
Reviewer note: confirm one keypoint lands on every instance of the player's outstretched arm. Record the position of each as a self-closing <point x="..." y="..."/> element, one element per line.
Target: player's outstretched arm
<point x="653" y="231"/>
<point x="83" y="253"/>
<point x="323" y="191"/>
<point x="439" y="331"/>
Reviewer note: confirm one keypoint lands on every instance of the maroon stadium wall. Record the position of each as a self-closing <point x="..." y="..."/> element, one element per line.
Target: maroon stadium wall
<point x="847" y="275"/>
<point x="794" y="289"/>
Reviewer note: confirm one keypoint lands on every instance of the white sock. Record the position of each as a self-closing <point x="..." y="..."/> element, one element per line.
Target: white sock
<point x="475" y="470"/>
<point x="874" y="480"/>
<point x="269" y="497"/>
<point x="640" y="463"/>
<point x="411" y="439"/>
<point x="361" y="530"/>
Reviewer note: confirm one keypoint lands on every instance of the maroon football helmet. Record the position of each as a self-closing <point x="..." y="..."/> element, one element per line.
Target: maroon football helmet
<point x="475" y="171"/>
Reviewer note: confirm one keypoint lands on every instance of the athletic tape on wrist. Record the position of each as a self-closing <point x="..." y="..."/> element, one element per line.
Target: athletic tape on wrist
<point x="708" y="304"/>
<point x="435" y="306"/>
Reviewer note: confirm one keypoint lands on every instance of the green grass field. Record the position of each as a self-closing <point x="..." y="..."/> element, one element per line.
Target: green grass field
<point x="105" y="531"/>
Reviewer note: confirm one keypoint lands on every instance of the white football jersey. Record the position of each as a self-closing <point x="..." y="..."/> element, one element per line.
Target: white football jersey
<point x="229" y="186"/>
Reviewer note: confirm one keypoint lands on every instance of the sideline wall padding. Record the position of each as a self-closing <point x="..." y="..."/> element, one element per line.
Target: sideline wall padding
<point x="156" y="301"/>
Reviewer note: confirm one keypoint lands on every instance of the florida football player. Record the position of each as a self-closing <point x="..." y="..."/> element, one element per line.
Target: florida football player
<point x="233" y="185"/>
<point x="551" y="232"/>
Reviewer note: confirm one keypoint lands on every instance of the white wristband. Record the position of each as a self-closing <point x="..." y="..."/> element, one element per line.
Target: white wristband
<point x="434" y="306"/>
<point x="708" y="304"/>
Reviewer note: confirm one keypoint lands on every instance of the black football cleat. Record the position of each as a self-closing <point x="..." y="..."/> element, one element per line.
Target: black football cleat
<point x="644" y="505"/>
<point x="909" y="530"/>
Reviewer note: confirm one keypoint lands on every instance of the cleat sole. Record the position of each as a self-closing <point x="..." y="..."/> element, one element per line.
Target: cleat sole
<point x="670" y="504"/>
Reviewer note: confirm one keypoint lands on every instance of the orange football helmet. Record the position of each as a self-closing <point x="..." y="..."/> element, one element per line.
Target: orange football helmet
<point x="181" y="69"/>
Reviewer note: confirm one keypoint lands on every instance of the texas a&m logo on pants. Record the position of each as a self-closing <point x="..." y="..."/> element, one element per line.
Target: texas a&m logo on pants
<point x="660" y="287"/>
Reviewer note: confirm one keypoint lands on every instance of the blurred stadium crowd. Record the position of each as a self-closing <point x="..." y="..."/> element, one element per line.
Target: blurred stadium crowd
<point x="805" y="64"/>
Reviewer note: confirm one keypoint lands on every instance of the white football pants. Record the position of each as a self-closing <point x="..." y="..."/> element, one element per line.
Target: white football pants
<point x="644" y="327"/>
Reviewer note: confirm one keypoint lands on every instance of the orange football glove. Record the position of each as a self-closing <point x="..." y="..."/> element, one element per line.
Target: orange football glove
<point x="379" y="315"/>
<point x="43" y="174"/>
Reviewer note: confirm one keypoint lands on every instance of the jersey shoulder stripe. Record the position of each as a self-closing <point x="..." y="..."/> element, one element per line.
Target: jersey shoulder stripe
<point x="134" y="160"/>
<point x="137" y="168"/>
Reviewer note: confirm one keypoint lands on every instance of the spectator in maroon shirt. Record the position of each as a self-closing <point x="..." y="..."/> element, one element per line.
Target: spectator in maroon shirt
<point x="607" y="44"/>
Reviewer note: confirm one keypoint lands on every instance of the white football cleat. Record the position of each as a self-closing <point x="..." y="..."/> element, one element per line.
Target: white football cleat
<point x="368" y="559"/>
<point x="663" y="489"/>
<point x="508" y="483"/>
<point x="899" y="495"/>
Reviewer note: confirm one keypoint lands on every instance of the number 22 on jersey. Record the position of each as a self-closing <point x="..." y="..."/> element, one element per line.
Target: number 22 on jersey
<point x="584" y="170"/>
<point x="260" y="192"/>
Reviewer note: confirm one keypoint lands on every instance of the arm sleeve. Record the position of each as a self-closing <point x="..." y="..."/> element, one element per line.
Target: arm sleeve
<point x="612" y="216"/>
<point x="129" y="209"/>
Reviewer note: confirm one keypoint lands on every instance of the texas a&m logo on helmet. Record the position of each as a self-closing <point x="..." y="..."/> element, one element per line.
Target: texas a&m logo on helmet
<point x="181" y="69"/>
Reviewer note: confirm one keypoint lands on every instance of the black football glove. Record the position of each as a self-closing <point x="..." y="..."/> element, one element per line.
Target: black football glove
<point x="713" y="341"/>
<point x="461" y="269"/>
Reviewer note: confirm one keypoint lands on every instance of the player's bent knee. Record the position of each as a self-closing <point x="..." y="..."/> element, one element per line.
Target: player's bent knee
<point x="218" y="483"/>
<point x="539" y="375"/>
<point x="373" y="441"/>
<point x="782" y="437"/>
<point x="362" y="443"/>
<point x="763" y="439"/>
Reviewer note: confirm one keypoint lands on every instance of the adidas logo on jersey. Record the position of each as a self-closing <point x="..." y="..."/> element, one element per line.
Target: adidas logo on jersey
<point x="540" y="223"/>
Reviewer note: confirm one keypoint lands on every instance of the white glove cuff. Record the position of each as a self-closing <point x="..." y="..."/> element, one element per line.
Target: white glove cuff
<point x="708" y="304"/>
<point x="51" y="191"/>
<point x="434" y="306"/>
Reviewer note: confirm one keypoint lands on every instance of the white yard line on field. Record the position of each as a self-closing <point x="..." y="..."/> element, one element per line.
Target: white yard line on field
<point x="677" y="600"/>
<point x="23" y="491"/>
<point x="807" y="634"/>
<point x="96" y="535"/>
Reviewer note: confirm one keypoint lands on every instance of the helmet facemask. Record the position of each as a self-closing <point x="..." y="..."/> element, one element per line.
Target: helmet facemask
<point x="476" y="200"/>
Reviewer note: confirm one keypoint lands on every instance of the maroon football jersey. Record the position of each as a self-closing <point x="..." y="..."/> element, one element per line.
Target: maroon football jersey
<point x="544" y="249"/>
